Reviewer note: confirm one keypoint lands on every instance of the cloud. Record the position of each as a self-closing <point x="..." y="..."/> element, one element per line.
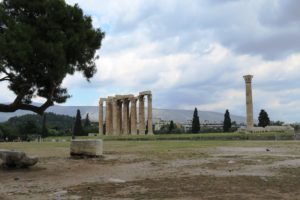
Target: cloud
<point x="251" y="27"/>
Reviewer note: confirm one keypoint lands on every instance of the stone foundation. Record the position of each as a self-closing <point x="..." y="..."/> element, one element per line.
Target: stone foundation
<point x="88" y="148"/>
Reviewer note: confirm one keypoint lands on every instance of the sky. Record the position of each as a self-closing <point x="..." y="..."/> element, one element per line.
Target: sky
<point x="194" y="53"/>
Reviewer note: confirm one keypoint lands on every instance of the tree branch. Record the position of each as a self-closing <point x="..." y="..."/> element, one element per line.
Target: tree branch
<point x="16" y="106"/>
<point x="5" y="78"/>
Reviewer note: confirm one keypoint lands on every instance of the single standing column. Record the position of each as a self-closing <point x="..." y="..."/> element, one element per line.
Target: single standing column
<point x="115" y="117"/>
<point x="249" y="102"/>
<point x="150" y="127"/>
<point x="133" y="120"/>
<point x="108" y="119"/>
<point x="141" y="115"/>
<point x="125" y="117"/>
<point x="101" y="116"/>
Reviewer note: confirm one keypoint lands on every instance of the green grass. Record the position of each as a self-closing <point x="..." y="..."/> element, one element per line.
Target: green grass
<point x="201" y="136"/>
<point x="161" y="149"/>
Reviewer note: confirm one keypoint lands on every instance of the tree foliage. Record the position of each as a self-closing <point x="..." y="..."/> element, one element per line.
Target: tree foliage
<point x="263" y="119"/>
<point x="195" y="122"/>
<point x="78" y="130"/>
<point x="42" y="41"/>
<point x="227" y="122"/>
<point x="87" y="121"/>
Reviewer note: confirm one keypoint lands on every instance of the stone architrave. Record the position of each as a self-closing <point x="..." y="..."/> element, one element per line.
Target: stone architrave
<point x="101" y="132"/>
<point x="115" y="116"/>
<point x="133" y="121"/>
<point x="141" y="115"/>
<point x="249" y="102"/>
<point x="150" y="127"/>
<point x="125" y="119"/>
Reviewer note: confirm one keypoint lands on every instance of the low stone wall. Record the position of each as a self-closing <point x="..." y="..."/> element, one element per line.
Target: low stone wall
<point x="85" y="147"/>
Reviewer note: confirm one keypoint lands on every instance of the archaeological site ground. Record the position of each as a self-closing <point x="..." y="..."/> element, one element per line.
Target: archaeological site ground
<point x="159" y="169"/>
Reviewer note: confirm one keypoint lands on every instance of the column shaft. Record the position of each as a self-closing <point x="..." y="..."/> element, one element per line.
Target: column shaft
<point x="100" y="117"/>
<point x="108" y="118"/>
<point x="249" y="102"/>
<point x="133" y="113"/>
<point x="125" y="117"/>
<point x="120" y="103"/>
<point x="115" y="117"/>
<point x="150" y="127"/>
<point x="141" y="115"/>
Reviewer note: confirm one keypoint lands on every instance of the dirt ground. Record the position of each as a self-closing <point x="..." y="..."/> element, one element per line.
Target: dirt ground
<point x="159" y="170"/>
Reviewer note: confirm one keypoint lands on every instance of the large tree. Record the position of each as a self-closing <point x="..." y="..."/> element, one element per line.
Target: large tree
<point x="263" y="119"/>
<point x="41" y="42"/>
<point x="195" y="122"/>
<point x="227" y="122"/>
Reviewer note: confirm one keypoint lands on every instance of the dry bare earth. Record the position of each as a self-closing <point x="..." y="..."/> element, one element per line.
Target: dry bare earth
<point x="159" y="170"/>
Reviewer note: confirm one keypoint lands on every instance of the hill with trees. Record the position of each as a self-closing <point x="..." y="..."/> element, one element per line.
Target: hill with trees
<point x="50" y="124"/>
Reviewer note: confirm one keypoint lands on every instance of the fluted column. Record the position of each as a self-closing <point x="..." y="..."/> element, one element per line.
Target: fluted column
<point x="101" y="116"/>
<point x="108" y="119"/>
<point x="249" y="102"/>
<point x="133" y="121"/>
<point x="125" y="127"/>
<point x="150" y="127"/>
<point x="115" y="116"/>
<point x="120" y="102"/>
<point x="141" y="115"/>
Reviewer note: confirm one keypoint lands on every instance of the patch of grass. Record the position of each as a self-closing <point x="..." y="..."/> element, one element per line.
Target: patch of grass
<point x="44" y="149"/>
<point x="164" y="149"/>
<point x="200" y="136"/>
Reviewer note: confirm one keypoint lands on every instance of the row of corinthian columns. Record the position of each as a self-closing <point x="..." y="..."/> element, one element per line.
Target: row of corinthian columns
<point x="121" y="115"/>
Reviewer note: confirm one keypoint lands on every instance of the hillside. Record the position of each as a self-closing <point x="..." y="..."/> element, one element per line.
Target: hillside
<point x="164" y="114"/>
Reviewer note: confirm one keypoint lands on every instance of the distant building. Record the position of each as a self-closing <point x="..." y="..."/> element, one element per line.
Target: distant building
<point x="158" y="123"/>
<point x="187" y="126"/>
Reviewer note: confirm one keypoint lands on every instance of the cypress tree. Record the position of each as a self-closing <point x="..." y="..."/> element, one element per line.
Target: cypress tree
<point x="227" y="122"/>
<point x="263" y="119"/>
<point x="77" y="130"/>
<point x="87" y="121"/>
<point x="195" y="122"/>
<point x="171" y="126"/>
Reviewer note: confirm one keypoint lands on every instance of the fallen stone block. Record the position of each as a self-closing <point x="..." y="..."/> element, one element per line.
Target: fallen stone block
<point x="16" y="159"/>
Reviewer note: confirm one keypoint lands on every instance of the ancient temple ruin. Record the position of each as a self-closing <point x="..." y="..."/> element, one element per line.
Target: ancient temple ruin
<point x="121" y="116"/>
